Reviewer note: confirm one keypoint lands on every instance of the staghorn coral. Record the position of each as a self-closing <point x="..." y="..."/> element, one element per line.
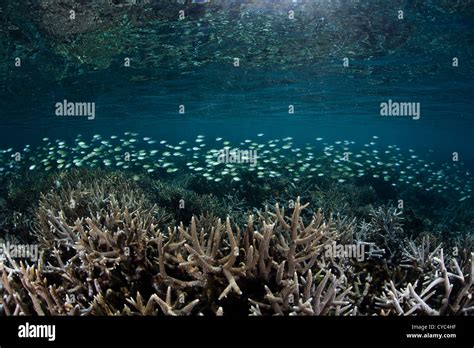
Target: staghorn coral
<point x="184" y="203"/>
<point x="20" y="192"/>
<point x="84" y="273"/>
<point x="385" y="229"/>
<point x="279" y="253"/>
<point x="445" y="289"/>
<point x="85" y="198"/>
<point x="17" y="224"/>
<point x="346" y="198"/>
<point x="108" y="263"/>
<point x="121" y="263"/>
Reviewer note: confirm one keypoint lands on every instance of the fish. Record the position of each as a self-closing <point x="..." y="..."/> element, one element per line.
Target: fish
<point x="276" y="158"/>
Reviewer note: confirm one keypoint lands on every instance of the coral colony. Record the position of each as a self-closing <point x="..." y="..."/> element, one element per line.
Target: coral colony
<point x="107" y="249"/>
<point x="119" y="221"/>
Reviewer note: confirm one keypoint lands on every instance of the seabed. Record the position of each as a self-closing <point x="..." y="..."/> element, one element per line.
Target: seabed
<point x="212" y="237"/>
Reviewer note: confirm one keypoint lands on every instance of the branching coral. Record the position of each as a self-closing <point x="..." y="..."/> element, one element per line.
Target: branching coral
<point x="344" y="198"/>
<point x="85" y="200"/>
<point x="445" y="289"/>
<point x="273" y="261"/>
<point x="111" y="263"/>
<point x="385" y="229"/>
<point x="185" y="203"/>
<point x="95" y="260"/>
<point x="120" y="262"/>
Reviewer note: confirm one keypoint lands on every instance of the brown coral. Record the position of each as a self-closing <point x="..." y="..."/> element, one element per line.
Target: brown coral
<point x="111" y="263"/>
<point x="119" y="262"/>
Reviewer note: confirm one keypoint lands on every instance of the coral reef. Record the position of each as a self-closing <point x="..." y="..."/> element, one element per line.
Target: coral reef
<point x="111" y="244"/>
<point x="440" y="290"/>
<point x="184" y="203"/>
<point x="347" y="199"/>
<point x="119" y="262"/>
<point x="111" y="263"/>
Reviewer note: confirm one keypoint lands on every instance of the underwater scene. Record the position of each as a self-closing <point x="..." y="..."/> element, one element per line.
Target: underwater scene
<point x="237" y="157"/>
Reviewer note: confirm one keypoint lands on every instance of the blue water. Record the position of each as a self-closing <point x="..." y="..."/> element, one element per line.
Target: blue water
<point x="407" y="60"/>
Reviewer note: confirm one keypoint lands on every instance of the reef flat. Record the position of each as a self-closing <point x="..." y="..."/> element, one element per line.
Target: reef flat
<point x="323" y="230"/>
